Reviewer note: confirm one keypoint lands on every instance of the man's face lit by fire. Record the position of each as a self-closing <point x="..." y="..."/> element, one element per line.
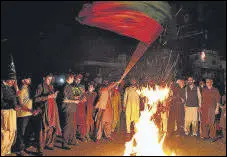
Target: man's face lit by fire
<point x="26" y="81"/>
<point x="133" y="82"/>
<point x="10" y="82"/>
<point x="190" y="81"/>
<point x="209" y="83"/>
<point x="48" y="80"/>
<point x="91" y="88"/>
<point x="181" y="83"/>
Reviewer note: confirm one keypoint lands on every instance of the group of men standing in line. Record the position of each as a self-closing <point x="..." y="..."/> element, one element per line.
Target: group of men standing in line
<point x="73" y="112"/>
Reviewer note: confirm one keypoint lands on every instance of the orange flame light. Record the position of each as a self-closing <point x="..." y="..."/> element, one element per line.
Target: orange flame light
<point x="146" y="138"/>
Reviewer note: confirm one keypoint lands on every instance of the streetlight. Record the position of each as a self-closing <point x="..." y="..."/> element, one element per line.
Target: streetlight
<point x="203" y="56"/>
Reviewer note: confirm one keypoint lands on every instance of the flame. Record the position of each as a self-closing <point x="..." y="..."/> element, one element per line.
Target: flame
<point x="146" y="138"/>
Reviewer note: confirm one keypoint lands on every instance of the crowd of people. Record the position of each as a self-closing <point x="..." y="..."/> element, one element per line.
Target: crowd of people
<point x="87" y="111"/>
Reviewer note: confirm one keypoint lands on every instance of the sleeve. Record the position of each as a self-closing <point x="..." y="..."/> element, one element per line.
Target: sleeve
<point x="217" y="96"/>
<point x="3" y="103"/>
<point x="199" y="96"/>
<point x="38" y="95"/>
<point x="119" y="101"/>
<point x="125" y="97"/>
<point x="66" y="93"/>
<point x="20" y="97"/>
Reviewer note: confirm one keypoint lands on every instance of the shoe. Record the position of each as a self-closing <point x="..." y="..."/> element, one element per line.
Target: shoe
<point x="39" y="153"/>
<point x="73" y="143"/>
<point x="110" y="139"/>
<point x="22" y="153"/>
<point x="65" y="146"/>
<point x="49" y="148"/>
<point x="212" y="140"/>
<point x="98" y="141"/>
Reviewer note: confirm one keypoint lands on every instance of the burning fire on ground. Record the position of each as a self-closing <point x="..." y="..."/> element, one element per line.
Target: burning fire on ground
<point x="146" y="138"/>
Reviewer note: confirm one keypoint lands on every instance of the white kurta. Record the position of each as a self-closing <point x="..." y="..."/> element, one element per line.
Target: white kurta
<point x="8" y="130"/>
<point x="132" y="106"/>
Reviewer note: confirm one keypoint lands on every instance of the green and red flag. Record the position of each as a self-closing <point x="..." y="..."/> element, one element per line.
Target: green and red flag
<point x="141" y="20"/>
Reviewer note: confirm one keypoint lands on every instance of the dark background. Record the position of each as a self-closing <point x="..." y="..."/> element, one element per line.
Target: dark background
<point x="44" y="37"/>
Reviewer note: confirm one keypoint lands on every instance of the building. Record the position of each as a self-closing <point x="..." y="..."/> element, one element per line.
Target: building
<point x="107" y="68"/>
<point x="206" y="64"/>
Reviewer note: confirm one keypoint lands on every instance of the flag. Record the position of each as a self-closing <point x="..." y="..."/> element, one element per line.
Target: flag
<point x="141" y="20"/>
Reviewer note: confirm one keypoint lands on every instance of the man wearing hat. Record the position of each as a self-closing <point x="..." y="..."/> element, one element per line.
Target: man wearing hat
<point x="8" y="111"/>
<point x="48" y="117"/>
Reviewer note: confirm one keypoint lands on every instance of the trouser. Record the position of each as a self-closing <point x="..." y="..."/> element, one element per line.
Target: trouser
<point x="208" y="130"/>
<point x="8" y="130"/>
<point x="224" y="135"/>
<point x="22" y="124"/>
<point x="89" y="127"/>
<point x="106" y="127"/>
<point x="164" y="121"/>
<point x="45" y="134"/>
<point x="191" y="118"/>
<point x="129" y="121"/>
<point x="116" y="125"/>
<point x="82" y="130"/>
<point x="68" y="127"/>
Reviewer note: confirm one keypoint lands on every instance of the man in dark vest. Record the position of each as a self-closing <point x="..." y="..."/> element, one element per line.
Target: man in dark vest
<point x="193" y="102"/>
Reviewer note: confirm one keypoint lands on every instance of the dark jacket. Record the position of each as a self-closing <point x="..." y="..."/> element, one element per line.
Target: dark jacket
<point x="8" y="97"/>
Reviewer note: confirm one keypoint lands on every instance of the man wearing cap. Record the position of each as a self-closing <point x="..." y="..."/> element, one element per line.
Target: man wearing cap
<point x="24" y="115"/>
<point x="48" y="119"/>
<point x="8" y="113"/>
<point x="209" y="108"/>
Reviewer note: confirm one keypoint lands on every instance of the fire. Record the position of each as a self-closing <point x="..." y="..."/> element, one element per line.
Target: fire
<point x="146" y="138"/>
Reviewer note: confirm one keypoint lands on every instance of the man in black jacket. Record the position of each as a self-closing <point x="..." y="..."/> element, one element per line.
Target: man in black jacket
<point x="8" y="114"/>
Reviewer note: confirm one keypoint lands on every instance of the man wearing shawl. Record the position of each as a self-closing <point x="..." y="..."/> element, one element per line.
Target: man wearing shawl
<point x="48" y="120"/>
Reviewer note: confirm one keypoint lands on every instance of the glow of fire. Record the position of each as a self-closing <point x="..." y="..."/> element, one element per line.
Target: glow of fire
<point x="146" y="138"/>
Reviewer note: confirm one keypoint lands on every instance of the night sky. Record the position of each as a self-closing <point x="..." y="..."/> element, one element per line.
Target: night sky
<point x="43" y="36"/>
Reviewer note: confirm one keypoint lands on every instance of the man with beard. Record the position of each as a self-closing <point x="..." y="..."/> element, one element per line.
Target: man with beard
<point x="48" y="119"/>
<point x="193" y="102"/>
<point x="209" y="108"/>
